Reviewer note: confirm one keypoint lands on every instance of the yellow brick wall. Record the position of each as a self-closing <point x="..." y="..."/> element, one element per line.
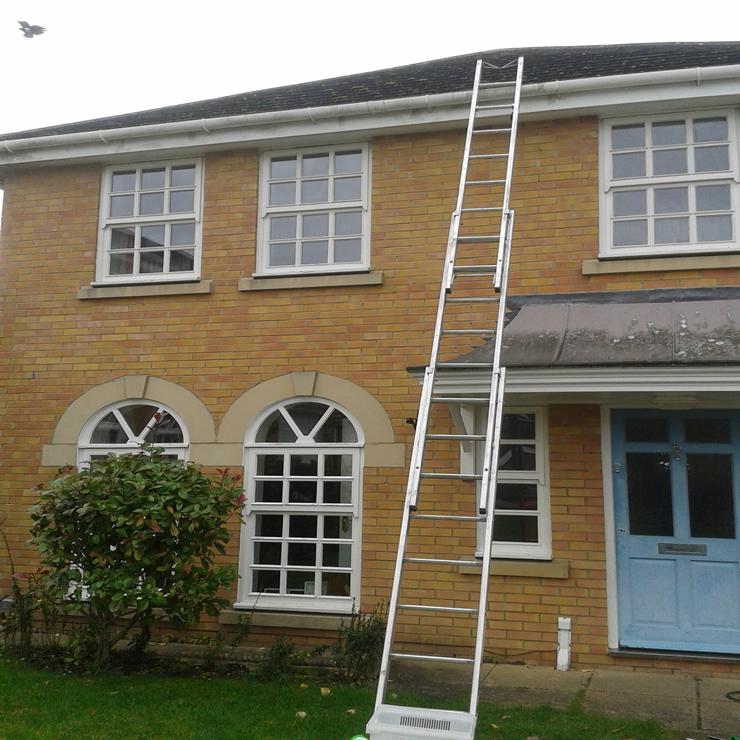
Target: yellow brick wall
<point x="56" y="347"/>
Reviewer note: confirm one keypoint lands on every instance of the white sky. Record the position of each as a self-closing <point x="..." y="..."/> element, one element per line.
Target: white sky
<point x="102" y="58"/>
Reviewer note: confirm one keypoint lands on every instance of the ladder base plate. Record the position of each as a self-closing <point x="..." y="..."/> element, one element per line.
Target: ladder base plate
<point x="392" y="722"/>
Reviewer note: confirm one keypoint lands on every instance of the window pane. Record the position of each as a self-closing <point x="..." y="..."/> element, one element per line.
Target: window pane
<point x="304" y="464"/>
<point x="337" y="428"/>
<point x="338" y="465"/>
<point x="151" y="262"/>
<point x="646" y="430"/>
<point x="713" y="198"/>
<point x="268" y="491"/>
<point x="670" y="132"/>
<point x="267" y="553"/>
<point x="712" y="158"/>
<point x="337" y="492"/>
<point x="517" y="457"/>
<point x="315" y="191"/>
<point x="348" y="188"/>
<point x="303" y="527"/>
<point x="166" y="430"/>
<point x="671" y="230"/>
<point x="628" y="165"/>
<point x="269" y="525"/>
<point x="515" y="528"/>
<point x="302" y="553"/>
<point x="710" y="129"/>
<point x="707" y="431"/>
<point x="121" y="181"/>
<point x="121" y="206"/>
<point x="152" y="179"/>
<point x="282" y="167"/>
<point x="315" y="165"/>
<point x="630" y="233"/>
<point x="122" y="263"/>
<point x="518" y="426"/>
<point x="122" y="238"/>
<point x="630" y="203"/>
<point x="182" y="177"/>
<point x="282" y="254"/>
<point x="316" y="225"/>
<point x="714" y="228"/>
<point x="307" y="415"/>
<point x="670" y="162"/>
<point x="182" y="234"/>
<point x="301" y="582"/>
<point x="711" y="503"/>
<point x="151" y="203"/>
<point x="152" y="236"/>
<point x="347" y="250"/>
<point x="282" y="193"/>
<point x="138" y="416"/>
<point x="269" y="464"/>
<point x="266" y="581"/>
<point x="275" y="429"/>
<point x="314" y="253"/>
<point x="335" y="584"/>
<point x="649" y="494"/>
<point x="516" y="496"/>
<point x="302" y="492"/>
<point x="671" y="200"/>
<point x="336" y="555"/>
<point x="182" y="260"/>
<point x="348" y="223"/>
<point x="628" y="137"/>
<point x="182" y="201"/>
<point x="282" y="227"/>
<point x="347" y="162"/>
<point x="109" y="432"/>
<point x="338" y="527"/>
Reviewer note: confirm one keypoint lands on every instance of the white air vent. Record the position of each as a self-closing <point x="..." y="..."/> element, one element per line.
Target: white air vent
<point x="427" y="723"/>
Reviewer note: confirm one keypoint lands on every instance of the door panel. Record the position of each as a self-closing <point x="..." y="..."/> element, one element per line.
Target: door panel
<point x="676" y="515"/>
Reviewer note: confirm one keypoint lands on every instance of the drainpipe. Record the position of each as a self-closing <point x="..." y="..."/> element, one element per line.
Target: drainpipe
<point x="563" y="661"/>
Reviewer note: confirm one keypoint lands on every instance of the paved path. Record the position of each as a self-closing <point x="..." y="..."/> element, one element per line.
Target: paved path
<point x="698" y="707"/>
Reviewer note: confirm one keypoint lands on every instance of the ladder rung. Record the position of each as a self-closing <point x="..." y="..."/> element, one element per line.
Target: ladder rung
<point x="498" y="84"/>
<point x="475" y="400"/>
<point x="435" y="658"/>
<point x="492" y="299"/>
<point x="456" y="365"/>
<point x="491" y="130"/>
<point x="485" y="182"/>
<point x="425" y="608"/>
<point x="499" y="106"/>
<point x="488" y="156"/>
<point x="471" y="437"/>
<point x="452" y="476"/>
<point x="475" y="268"/>
<point x="483" y="239"/>
<point x="473" y="332"/>
<point x="450" y="517"/>
<point x="486" y="209"/>
<point x="440" y="561"/>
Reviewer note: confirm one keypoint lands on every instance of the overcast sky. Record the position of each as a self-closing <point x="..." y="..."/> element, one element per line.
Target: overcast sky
<point x="101" y="58"/>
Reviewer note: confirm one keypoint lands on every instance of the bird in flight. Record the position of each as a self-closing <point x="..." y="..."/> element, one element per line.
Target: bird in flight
<point x="30" y="31"/>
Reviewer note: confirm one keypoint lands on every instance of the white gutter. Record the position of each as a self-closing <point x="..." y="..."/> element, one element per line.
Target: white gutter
<point x="549" y="97"/>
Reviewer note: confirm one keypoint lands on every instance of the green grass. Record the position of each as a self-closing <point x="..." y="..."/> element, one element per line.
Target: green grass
<point x="35" y="705"/>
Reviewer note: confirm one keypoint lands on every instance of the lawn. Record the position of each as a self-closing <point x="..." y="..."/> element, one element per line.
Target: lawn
<point x="35" y="705"/>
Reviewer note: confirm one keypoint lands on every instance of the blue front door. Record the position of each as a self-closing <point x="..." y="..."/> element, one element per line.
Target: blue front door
<point x="676" y="484"/>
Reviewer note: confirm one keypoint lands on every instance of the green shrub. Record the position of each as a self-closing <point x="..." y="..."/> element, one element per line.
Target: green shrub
<point x="359" y="647"/>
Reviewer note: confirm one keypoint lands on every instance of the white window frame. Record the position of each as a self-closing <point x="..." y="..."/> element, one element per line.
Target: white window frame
<point x="650" y="183"/>
<point x="108" y="222"/>
<point x="331" y="207"/>
<point x="472" y="461"/>
<point x="246" y="597"/>
<point x="87" y="450"/>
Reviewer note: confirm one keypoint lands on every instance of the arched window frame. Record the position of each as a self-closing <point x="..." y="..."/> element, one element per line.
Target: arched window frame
<point x="327" y="514"/>
<point x="87" y="450"/>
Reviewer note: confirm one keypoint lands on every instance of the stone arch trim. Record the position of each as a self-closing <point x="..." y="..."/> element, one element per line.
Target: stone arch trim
<point x="192" y="411"/>
<point x="381" y="449"/>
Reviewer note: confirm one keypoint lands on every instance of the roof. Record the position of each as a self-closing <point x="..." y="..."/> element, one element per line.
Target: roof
<point x="453" y="74"/>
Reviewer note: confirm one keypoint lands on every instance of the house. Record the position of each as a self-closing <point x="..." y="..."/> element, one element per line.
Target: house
<point x="262" y="270"/>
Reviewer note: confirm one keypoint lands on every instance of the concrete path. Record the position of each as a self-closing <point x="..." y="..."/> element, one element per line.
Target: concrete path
<point x="698" y="707"/>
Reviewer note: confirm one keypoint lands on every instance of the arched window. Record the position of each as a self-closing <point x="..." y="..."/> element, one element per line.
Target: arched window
<point x="300" y="540"/>
<point x="126" y="425"/>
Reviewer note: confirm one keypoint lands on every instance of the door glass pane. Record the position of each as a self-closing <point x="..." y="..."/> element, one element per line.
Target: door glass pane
<point x="649" y="494"/>
<point x="646" y="430"/>
<point x="711" y="504"/>
<point x="707" y="430"/>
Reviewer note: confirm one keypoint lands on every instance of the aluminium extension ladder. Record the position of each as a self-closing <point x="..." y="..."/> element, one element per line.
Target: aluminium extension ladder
<point x="444" y="514"/>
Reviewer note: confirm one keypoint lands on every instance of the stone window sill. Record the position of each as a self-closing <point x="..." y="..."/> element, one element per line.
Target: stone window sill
<point x="87" y="292"/>
<point x="337" y="280"/>
<point x="659" y="264"/>
<point x="282" y="619"/>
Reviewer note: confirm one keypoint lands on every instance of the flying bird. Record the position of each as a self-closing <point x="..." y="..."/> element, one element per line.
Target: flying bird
<point x="30" y="31"/>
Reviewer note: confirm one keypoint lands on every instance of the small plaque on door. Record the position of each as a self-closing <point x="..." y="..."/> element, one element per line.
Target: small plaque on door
<point x="675" y="548"/>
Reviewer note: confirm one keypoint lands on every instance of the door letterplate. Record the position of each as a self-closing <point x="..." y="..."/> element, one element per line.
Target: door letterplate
<point x="675" y="548"/>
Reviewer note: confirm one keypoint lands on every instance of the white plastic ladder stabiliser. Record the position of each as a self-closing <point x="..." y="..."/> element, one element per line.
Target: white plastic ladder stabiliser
<point x="440" y="505"/>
